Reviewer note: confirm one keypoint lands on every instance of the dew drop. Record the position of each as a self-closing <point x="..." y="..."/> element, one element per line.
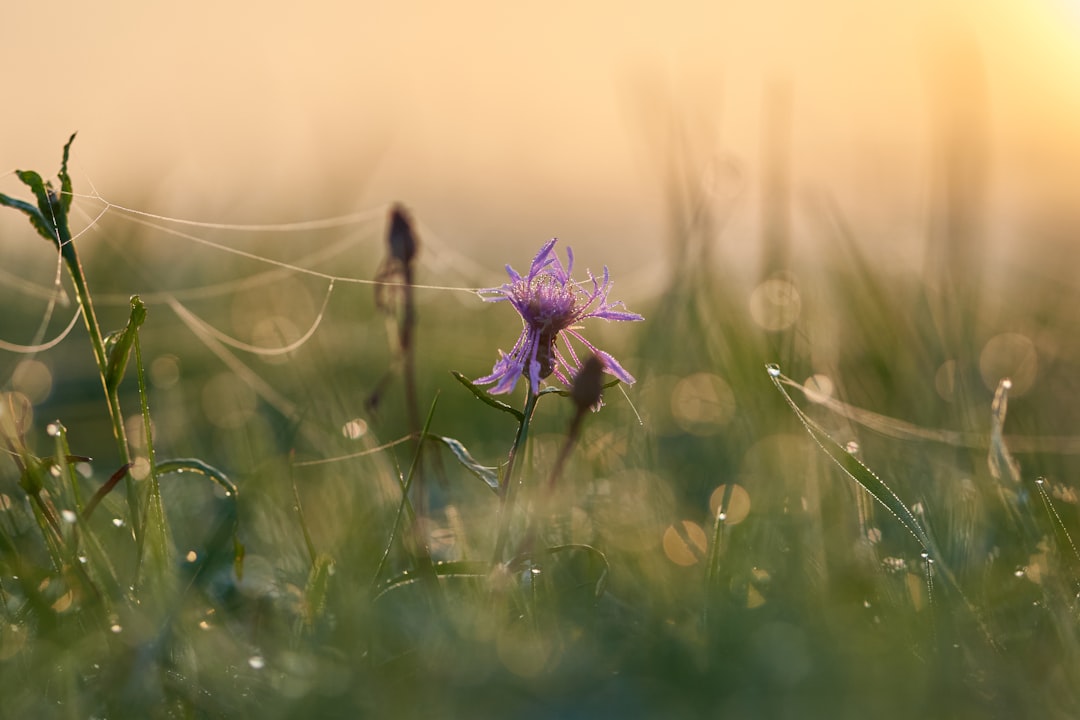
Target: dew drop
<point x="1006" y="383"/>
<point x="774" y="369"/>
<point x="191" y="556"/>
<point x="83" y="559"/>
<point x="257" y="662"/>
<point x="1019" y="572"/>
<point x="1040" y="481"/>
<point x="116" y="628"/>
<point x="722" y="517"/>
<point x="118" y="522"/>
<point x="53" y="429"/>
<point x="69" y="516"/>
<point x="204" y="625"/>
<point x="852" y="447"/>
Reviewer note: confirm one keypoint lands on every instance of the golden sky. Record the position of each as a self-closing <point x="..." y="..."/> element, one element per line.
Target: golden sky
<point x="513" y="122"/>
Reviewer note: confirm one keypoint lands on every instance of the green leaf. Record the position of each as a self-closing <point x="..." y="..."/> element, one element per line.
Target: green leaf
<point x="65" y="179"/>
<point x="36" y="218"/>
<point x="195" y="465"/>
<point x="40" y="189"/>
<point x="566" y="393"/>
<point x="120" y="344"/>
<point x="489" y="475"/>
<point x="460" y="569"/>
<point x="157" y="563"/>
<point x="318" y="582"/>
<point x="853" y="467"/>
<point x="485" y="396"/>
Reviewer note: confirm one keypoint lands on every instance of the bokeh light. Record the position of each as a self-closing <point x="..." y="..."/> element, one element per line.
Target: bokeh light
<point x="775" y="304"/>
<point x="702" y="403"/>
<point x="737" y="507"/>
<point x="1009" y="355"/>
<point x="33" y="379"/>
<point x="818" y="388"/>
<point x="685" y="544"/>
<point x="227" y="401"/>
<point x="354" y="429"/>
<point x="165" y="371"/>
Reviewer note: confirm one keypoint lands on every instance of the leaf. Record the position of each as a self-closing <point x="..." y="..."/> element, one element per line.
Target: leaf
<point x="65" y="179"/>
<point x="315" y="590"/>
<point x="489" y="475"/>
<point x="36" y="218"/>
<point x="41" y="191"/>
<point x="566" y="393"/>
<point x="853" y="467"/>
<point x="121" y="343"/>
<point x="487" y="397"/>
<point x="470" y="569"/>
<point x="195" y="465"/>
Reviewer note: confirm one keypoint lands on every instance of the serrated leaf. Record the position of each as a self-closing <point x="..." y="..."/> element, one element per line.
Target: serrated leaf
<point x="120" y="344"/>
<point x="37" y="186"/>
<point x="65" y="179"/>
<point x="487" y="397"/>
<point x="489" y="475"/>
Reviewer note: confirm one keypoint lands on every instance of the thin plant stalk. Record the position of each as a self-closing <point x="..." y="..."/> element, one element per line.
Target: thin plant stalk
<point x="507" y="489"/>
<point x="586" y="393"/>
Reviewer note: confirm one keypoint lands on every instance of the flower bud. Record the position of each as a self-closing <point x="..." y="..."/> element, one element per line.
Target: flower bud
<point x="588" y="385"/>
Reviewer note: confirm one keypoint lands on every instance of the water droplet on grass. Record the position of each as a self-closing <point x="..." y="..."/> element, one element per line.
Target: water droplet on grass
<point x="774" y="369"/>
<point x="257" y="662"/>
<point x="69" y="516"/>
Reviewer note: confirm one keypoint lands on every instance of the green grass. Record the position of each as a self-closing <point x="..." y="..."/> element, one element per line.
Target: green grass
<point x="264" y="567"/>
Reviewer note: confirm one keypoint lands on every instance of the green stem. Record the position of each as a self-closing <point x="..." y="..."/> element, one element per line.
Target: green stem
<point x="97" y="343"/>
<point x="507" y="489"/>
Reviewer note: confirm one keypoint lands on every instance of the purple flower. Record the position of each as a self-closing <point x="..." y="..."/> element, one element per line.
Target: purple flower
<point x="551" y="305"/>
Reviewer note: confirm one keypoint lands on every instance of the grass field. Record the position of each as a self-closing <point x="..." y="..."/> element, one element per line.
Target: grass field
<point x="888" y="533"/>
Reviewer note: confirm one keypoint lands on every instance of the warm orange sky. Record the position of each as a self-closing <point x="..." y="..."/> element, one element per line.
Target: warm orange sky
<point x="517" y="121"/>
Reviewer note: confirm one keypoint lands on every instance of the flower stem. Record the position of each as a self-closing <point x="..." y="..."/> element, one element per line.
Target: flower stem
<point x="97" y="343"/>
<point x="507" y="489"/>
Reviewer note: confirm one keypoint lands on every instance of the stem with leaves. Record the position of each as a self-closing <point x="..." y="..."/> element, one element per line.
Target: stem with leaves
<point x="50" y="219"/>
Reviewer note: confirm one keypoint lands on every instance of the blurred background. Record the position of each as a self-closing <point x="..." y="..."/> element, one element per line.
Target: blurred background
<point x="509" y="123"/>
<point x="879" y="197"/>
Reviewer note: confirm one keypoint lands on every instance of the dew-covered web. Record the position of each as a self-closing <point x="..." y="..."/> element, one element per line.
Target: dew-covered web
<point x="193" y="274"/>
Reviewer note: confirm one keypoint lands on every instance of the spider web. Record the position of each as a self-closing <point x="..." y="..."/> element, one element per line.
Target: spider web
<point x="263" y="300"/>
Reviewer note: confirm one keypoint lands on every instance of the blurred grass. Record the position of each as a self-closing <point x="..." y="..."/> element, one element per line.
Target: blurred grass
<point x="819" y="603"/>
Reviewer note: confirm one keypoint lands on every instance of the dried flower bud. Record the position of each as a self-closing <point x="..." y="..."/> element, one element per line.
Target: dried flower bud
<point x="401" y="238"/>
<point x="588" y="384"/>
